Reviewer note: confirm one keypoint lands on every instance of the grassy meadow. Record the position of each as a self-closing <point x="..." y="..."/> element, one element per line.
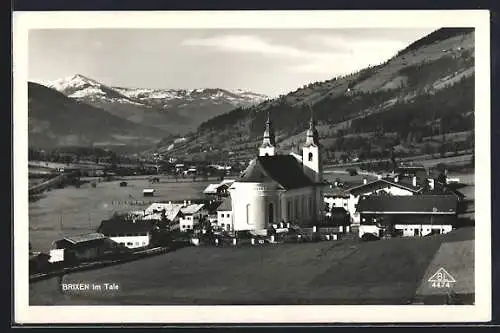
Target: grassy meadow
<point x="72" y="211"/>
<point x="336" y="272"/>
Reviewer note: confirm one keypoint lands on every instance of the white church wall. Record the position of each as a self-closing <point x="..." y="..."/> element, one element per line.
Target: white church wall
<point x="299" y="206"/>
<point x="250" y="202"/>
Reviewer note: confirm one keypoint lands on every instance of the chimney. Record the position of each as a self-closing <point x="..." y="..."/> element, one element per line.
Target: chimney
<point x="185" y="202"/>
<point x="414" y="181"/>
<point x="364" y="181"/>
<point x="189" y="202"/>
<point x="431" y="184"/>
<point x="379" y="176"/>
<point x="396" y="179"/>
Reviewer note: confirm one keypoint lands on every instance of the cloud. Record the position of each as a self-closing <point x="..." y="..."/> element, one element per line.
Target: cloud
<point x="318" y="54"/>
<point x="252" y="44"/>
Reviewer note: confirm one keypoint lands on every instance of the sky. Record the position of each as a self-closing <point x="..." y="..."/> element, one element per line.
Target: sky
<point x="268" y="61"/>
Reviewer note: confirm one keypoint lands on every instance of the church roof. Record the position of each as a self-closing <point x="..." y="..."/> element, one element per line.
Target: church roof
<point x="286" y="170"/>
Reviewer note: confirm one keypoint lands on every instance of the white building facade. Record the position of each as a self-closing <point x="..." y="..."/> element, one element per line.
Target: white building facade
<point x="225" y="215"/>
<point x="191" y="216"/>
<point x="133" y="240"/>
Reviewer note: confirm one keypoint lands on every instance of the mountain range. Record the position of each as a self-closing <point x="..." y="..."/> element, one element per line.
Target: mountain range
<point x="72" y="111"/>
<point x="174" y="111"/>
<point x="419" y="101"/>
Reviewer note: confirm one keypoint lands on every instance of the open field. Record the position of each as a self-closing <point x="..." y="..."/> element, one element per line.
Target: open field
<point x="335" y="272"/>
<point x="81" y="210"/>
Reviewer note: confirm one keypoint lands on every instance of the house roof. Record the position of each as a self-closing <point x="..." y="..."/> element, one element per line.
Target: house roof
<point x="171" y="210"/>
<point x="225" y="206"/>
<point x="124" y="227"/>
<point x="414" y="204"/>
<point x="84" y="238"/>
<point x="191" y="209"/>
<point x="336" y="191"/>
<point x="211" y="189"/>
<point x="381" y="183"/>
<point x="286" y="170"/>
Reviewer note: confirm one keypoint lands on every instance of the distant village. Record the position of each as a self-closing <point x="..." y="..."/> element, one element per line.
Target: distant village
<point x="276" y="198"/>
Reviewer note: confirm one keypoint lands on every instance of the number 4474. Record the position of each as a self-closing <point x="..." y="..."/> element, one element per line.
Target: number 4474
<point x="440" y="285"/>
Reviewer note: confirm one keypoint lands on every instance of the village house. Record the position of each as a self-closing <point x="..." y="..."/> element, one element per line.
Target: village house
<point x="383" y="186"/>
<point x="191" y="216"/>
<point x="83" y="248"/>
<point x="278" y="188"/>
<point x="158" y="211"/>
<point x="148" y="192"/>
<point x="219" y="190"/>
<point x="417" y="215"/>
<point x="133" y="235"/>
<point x="225" y="215"/>
<point x="335" y="196"/>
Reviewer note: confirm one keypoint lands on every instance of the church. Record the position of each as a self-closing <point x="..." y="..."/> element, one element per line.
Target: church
<point x="278" y="188"/>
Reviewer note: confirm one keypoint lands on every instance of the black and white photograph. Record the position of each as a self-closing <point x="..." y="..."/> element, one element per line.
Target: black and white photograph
<point x="252" y="166"/>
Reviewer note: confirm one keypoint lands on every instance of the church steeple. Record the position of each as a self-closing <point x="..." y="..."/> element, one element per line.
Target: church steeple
<point x="268" y="146"/>
<point x="311" y="153"/>
<point x="312" y="136"/>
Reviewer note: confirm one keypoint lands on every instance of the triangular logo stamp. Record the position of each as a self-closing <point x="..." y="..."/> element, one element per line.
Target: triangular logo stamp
<point x="441" y="279"/>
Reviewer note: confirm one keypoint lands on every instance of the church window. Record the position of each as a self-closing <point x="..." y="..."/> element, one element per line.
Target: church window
<point x="248" y="213"/>
<point x="271" y="213"/>
<point x="296" y="208"/>
<point x="311" y="205"/>
<point x="310" y="157"/>
<point x="303" y="206"/>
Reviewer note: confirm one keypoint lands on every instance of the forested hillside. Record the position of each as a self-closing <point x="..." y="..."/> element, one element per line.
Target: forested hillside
<point x="419" y="101"/>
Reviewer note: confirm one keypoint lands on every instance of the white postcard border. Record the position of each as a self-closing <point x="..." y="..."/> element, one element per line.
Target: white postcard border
<point x="480" y="312"/>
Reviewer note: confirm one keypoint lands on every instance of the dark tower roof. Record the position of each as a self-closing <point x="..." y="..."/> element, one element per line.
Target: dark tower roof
<point x="269" y="137"/>
<point x="312" y="135"/>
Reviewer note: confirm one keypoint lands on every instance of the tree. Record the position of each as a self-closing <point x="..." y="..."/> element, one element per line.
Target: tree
<point x="442" y="147"/>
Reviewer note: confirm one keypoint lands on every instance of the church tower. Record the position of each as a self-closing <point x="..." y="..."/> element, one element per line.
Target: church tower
<point x="268" y="147"/>
<point x="311" y="157"/>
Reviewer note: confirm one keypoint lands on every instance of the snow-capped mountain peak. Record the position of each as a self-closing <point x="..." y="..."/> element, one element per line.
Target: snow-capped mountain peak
<point x="72" y="82"/>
